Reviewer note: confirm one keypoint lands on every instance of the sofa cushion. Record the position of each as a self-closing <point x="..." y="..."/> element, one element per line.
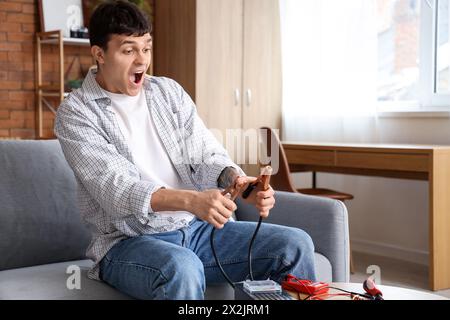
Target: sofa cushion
<point x="49" y="282"/>
<point x="39" y="219"/>
<point x="324" y="271"/>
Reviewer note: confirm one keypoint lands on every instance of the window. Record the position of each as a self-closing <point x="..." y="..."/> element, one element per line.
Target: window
<point x="398" y="29"/>
<point x="442" y="82"/>
<point x="413" y="54"/>
<point x="356" y="57"/>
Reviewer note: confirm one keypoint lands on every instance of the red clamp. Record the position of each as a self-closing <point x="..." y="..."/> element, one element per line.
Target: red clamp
<point x="304" y="286"/>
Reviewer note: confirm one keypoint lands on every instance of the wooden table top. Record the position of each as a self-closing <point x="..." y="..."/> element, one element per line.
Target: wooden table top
<point x="362" y="146"/>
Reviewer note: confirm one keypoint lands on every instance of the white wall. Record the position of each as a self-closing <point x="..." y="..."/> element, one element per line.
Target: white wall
<point x="389" y="216"/>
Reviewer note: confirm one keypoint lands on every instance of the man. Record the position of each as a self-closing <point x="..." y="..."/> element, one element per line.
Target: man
<point x="150" y="177"/>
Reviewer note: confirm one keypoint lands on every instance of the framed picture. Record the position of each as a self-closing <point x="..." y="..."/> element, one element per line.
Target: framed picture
<point x="61" y="15"/>
<point x="90" y="5"/>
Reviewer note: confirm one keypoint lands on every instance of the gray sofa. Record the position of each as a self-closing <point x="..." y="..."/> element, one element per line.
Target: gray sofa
<point x="42" y="236"/>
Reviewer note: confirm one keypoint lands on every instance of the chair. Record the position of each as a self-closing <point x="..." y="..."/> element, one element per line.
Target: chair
<point x="282" y="180"/>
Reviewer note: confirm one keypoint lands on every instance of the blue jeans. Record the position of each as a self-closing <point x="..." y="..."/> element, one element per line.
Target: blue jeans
<point x="178" y="264"/>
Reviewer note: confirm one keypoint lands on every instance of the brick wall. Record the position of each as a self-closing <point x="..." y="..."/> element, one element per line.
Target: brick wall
<point x="19" y="20"/>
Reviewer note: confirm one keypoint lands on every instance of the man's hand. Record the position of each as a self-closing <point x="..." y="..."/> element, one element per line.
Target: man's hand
<point x="213" y="207"/>
<point x="263" y="200"/>
<point x="210" y="206"/>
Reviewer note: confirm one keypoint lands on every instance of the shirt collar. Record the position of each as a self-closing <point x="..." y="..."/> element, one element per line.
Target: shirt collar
<point x="91" y="88"/>
<point x="93" y="91"/>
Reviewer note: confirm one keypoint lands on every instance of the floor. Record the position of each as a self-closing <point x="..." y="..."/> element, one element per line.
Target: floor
<point x="393" y="273"/>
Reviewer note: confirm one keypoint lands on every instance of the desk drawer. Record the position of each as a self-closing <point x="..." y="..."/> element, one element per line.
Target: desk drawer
<point x="383" y="161"/>
<point x="311" y="157"/>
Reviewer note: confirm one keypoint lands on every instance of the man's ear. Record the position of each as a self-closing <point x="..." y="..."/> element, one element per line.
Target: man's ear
<point x="98" y="54"/>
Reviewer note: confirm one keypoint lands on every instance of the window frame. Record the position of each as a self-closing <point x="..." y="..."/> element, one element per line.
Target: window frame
<point x="429" y="99"/>
<point x="439" y="99"/>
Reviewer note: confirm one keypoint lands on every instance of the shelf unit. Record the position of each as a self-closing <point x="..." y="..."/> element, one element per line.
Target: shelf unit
<point x="43" y="92"/>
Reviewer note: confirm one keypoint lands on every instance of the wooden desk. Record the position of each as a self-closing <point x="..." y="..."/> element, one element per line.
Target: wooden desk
<point x="431" y="163"/>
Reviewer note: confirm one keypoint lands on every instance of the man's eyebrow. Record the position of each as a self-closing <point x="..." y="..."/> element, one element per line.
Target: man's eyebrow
<point x="134" y="42"/>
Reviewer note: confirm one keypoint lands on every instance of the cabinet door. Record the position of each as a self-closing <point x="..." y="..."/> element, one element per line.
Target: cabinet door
<point x="174" y="42"/>
<point x="262" y="64"/>
<point x="261" y="75"/>
<point x="219" y="63"/>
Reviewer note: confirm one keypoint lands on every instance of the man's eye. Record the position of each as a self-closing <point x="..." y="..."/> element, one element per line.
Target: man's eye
<point x="129" y="51"/>
<point x="146" y="50"/>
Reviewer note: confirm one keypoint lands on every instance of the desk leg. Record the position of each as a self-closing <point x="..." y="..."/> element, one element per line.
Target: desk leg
<point x="439" y="215"/>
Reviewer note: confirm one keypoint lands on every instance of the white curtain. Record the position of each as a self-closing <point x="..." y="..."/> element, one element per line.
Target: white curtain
<point x="329" y="52"/>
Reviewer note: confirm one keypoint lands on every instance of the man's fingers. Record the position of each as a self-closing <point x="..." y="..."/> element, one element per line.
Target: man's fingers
<point x="226" y="208"/>
<point x="230" y="206"/>
<point x="265" y="194"/>
<point x="215" y="218"/>
<point x="265" y="204"/>
<point x="265" y="197"/>
<point x="241" y="181"/>
<point x="215" y="224"/>
<point x="264" y="213"/>
<point x="218" y="221"/>
<point x="264" y="207"/>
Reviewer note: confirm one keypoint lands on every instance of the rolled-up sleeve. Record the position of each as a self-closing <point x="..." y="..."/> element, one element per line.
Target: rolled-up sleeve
<point x="110" y="178"/>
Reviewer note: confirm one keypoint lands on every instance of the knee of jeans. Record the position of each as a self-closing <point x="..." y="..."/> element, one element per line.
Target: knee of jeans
<point x="299" y="240"/>
<point x="185" y="266"/>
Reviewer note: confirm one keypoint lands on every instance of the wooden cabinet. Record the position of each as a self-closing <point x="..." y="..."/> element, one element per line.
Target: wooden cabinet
<point x="262" y="64"/>
<point x="219" y="63"/>
<point x="227" y="56"/>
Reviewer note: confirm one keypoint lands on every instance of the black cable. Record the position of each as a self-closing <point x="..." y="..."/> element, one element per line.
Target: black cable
<point x="250" y="269"/>
<point x="217" y="260"/>
<point x="245" y="195"/>
<point x="249" y="189"/>
<point x="354" y="293"/>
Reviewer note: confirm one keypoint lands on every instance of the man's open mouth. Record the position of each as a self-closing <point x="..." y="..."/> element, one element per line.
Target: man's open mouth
<point x="136" y="77"/>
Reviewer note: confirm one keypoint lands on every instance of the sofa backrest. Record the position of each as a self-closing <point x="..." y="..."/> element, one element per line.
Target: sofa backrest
<point x="39" y="219"/>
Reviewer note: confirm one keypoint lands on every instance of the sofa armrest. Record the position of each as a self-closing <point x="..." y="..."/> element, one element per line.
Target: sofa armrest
<point x="325" y="220"/>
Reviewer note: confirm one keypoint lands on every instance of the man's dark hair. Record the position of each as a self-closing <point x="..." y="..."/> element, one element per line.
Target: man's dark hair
<point x="116" y="17"/>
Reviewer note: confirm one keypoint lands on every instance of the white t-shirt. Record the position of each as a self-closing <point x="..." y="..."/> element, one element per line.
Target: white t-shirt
<point x="149" y="154"/>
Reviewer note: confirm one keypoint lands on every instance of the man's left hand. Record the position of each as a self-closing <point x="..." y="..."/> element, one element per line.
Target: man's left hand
<point x="263" y="200"/>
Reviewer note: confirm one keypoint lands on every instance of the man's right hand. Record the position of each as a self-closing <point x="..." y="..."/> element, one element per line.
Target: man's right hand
<point x="213" y="207"/>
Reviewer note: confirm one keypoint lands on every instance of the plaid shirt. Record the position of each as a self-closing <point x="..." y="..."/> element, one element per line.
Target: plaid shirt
<point x="112" y="198"/>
